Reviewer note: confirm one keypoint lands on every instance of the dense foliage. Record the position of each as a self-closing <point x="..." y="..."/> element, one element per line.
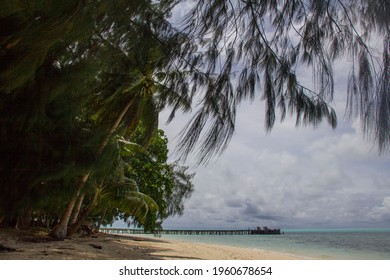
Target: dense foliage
<point x="255" y="49"/>
<point x="74" y="76"/>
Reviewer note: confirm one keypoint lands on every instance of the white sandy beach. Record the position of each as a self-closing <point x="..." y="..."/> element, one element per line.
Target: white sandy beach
<point x="18" y="245"/>
<point x="188" y="250"/>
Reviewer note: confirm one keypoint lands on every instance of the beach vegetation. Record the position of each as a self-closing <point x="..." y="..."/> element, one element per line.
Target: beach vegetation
<point x="75" y="78"/>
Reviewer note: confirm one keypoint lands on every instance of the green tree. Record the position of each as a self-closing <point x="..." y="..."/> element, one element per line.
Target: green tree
<point x="181" y="190"/>
<point x="122" y="199"/>
<point x="100" y="56"/>
<point x="169" y="185"/>
<point x="141" y="187"/>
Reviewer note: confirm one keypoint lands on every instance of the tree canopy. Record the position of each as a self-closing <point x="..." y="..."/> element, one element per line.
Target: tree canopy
<point x="74" y="77"/>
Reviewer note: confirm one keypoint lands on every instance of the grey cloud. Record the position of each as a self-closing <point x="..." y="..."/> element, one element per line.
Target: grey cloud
<point x="234" y="203"/>
<point x="289" y="178"/>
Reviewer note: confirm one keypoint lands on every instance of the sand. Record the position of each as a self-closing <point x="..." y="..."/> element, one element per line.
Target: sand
<point x="36" y="245"/>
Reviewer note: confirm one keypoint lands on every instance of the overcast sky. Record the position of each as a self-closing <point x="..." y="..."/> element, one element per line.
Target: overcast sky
<point x="289" y="178"/>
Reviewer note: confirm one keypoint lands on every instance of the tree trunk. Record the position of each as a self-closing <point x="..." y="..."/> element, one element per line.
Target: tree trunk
<point x="27" y="217"/>
<point x="77" y="209"/>
<point x="102" y="218"/>
<point x="23" y="222"/>
<point x="60" y="230"/>
<point x="117" y="122"/>
<point x="74" y="227"/>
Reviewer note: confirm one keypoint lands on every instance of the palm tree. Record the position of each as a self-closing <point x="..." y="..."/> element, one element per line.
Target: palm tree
<point x="133" y="107"/>
<point x="124" y="95"/>
<point x="125" y="198"/>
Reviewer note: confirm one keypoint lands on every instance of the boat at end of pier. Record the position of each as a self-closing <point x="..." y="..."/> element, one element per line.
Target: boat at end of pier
<point x="265" y="230"/>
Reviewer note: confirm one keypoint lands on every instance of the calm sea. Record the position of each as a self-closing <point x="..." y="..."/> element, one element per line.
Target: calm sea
<point x="333" y="244"/>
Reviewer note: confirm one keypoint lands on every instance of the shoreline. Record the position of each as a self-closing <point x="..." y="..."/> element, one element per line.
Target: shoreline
<point x="36" y="245"/>
<point x="224" y="252"/>
<point x="205" y="250"/>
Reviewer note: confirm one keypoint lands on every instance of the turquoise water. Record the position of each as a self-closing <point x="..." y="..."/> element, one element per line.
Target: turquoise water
<point x="332" y="244"/>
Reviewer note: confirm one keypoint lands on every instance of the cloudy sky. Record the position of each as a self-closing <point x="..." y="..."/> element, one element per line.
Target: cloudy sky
<point x="289" y="178"/>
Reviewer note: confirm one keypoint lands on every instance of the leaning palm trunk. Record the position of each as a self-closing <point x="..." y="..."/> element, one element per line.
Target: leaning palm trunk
<point x="76" y="211"/>
<point x="104" y="143"/>
<point x="102" y="218"/>
<point x="74" y="227"/>
<point x="60" y="230"/>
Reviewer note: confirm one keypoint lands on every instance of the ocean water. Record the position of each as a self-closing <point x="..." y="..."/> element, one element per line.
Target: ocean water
<point x="323" y="244"/>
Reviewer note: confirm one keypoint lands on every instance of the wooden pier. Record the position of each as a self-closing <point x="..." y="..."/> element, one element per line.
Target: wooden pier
<point x="257" y="231"/>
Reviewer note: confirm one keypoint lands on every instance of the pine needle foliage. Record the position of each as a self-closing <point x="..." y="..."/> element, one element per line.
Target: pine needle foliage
<point x="242" y="50"/>
<point x="73" y="76"/>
